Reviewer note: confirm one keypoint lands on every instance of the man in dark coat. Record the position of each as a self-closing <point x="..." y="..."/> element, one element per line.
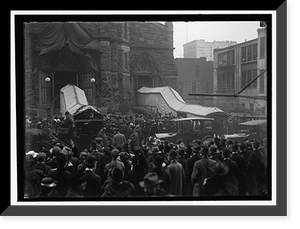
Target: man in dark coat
<point x="138" y="172"/>
<point x="241" y="162"/>
<point x="176" y="174"/>
<point x="189" y="169"/>
<point x="62" y="176"/>
<point x="201" y="171"/>
<point x="93" y="181"/>
<point x="255" y="170"/>
<point x="231" y="178"/>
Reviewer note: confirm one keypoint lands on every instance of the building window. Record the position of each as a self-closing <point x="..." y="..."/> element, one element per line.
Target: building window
<point x="263" y="110"/>
<point x="250" y="47"/>
<point x="247" y="77"/>
<point x="232" y="57"/>
<point x="220" y="59"/>
<point x="125" y="34"/>
<point x="126" y="61"/>
<point x="244" y="54"/>
<point x="194" y="87"/>
<point x="255" y="52"/>
<point x="226" y="81"/>
<point x="262" y="48"/>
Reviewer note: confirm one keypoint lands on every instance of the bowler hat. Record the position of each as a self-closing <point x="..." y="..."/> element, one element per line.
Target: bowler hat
<point x="48" y="182"/>
<point x="150" y="179"/>
<point x="90" y="161"/>
<point x="219" y="168"/>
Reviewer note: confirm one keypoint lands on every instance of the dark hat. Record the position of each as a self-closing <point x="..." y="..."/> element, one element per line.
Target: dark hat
<point x="150" y="179"/>
<point x="77" y="179"/>
<point x="196" y="148"/>
<point x="213" y="149"/>
<point x="226" y="152"/>
<point x="48" y="182"/>
<point x="197" y="141"/>
<point x="117" y="174"/>
<point x="116" y="129"/>
<point x="256" y="144"/>
<point x="55" y="150"/>
<point x="124" y="155"/>
<point x="90" y="161"/>
<point x="219" y="168"/>
<point x="173" y="154"/>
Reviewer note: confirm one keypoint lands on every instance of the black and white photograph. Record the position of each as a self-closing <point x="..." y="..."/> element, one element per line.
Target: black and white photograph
<point x="145" y="109"/>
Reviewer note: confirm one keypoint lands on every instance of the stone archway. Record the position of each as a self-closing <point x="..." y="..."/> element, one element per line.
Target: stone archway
<point x="144" y="72"/>
<point x="65" y="53"/>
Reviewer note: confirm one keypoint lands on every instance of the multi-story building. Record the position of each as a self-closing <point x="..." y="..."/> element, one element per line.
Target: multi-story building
<point x="110" y="61"/>
<point x="235" y="68"/>
<point x="195" y="75"/>
<point x="201" y="48"/>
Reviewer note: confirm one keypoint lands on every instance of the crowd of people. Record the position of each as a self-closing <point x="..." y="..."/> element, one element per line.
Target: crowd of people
<point x="126" y="166"/>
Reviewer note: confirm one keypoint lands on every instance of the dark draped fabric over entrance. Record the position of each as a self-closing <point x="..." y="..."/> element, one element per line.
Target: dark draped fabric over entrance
<point x="54" y="36"/>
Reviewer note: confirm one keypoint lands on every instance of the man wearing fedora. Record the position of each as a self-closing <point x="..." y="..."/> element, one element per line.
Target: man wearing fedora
<point x="93" y="181"/>
<point x="231" y="178"/>
<point x="151" y="185"/>
<point x="201" y="171"/>
<point x="189" y="168"/>
<point x="176" y="174"/>
<point x="215" y="185"/>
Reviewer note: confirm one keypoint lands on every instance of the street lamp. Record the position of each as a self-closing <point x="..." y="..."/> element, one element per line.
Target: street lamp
<point x="93" y="80"/>
<point x="47" y="80"/>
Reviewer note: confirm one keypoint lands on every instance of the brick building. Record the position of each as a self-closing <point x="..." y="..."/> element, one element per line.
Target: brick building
<point x="108" y="60"/>
<point x="235" y="67"/>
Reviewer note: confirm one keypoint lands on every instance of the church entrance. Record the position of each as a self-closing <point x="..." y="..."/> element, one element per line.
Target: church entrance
<point x="61" y="79"/>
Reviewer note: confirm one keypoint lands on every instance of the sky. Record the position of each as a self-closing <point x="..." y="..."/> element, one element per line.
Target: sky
<point x="220" y="31"/>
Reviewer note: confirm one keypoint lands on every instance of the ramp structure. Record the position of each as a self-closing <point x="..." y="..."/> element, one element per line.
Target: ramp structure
<point x="71" y="98"/>
<point x="167" y="100"/>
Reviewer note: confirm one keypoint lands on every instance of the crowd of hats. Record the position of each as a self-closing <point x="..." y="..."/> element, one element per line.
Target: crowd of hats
<point x="163" y="151"/>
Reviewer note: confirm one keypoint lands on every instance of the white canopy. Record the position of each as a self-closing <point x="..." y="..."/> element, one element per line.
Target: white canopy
<point x="71" y="98"/>
<point x="166" y="99"/>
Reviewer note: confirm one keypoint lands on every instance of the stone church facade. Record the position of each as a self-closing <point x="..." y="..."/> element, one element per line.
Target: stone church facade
<point x="110" y="61"/>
